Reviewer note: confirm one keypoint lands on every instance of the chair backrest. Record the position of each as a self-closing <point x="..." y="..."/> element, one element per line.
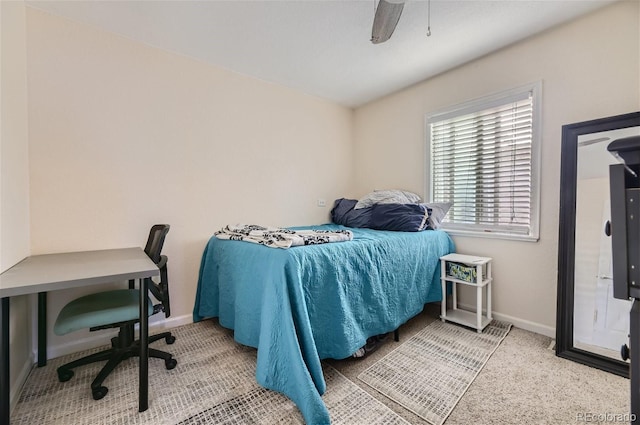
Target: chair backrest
<point x="155" y="241"/>
<point x="154" y="249"/>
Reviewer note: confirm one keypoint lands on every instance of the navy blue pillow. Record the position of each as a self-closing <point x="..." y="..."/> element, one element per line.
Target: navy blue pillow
<point x="399" y="217"/>
<point x="344" y="214"/>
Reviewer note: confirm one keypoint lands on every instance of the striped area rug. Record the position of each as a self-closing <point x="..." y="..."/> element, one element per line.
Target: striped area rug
<point x="431" y="371"/>
<point x="214" y="383"/>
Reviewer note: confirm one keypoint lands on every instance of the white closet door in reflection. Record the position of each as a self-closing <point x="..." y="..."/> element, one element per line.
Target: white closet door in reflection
<point x="601" y="322"/>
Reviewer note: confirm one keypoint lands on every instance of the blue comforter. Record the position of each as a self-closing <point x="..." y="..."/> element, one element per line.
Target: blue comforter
<point x="303" y="304"/>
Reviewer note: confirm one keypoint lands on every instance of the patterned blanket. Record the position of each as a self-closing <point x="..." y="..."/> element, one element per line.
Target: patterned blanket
<point x="278" y="237"/>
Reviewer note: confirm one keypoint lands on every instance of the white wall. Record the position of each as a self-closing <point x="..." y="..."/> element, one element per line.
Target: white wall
<point x="14" y="177"/>
<point x="590" y="69"/>
<point x="123" y="135"/>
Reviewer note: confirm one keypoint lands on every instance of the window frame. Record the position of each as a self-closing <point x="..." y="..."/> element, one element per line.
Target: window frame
<point x="479" y="104"/>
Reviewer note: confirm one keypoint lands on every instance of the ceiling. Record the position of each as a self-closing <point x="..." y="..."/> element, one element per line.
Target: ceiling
<point x="322" y="47"/>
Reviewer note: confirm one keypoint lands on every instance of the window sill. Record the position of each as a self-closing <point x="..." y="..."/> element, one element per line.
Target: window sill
<point x="490" y="235"/>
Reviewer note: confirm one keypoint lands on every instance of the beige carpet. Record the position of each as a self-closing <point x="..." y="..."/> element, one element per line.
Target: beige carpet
<point x="214" y="383"/>
<point x="524" y="382"/>
<point x="430" y="372"/>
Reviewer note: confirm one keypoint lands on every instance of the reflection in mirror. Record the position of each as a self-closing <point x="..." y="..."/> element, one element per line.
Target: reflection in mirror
<point x="601" y="322"/>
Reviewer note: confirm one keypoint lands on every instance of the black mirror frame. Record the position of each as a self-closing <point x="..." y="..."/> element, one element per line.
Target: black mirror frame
<point x="566" y="241"/>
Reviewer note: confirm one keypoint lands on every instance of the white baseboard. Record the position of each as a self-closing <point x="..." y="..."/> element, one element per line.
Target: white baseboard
<point x="517" y="322"/>
<point x="25" y="370"/>
<point x="96" y="339"/>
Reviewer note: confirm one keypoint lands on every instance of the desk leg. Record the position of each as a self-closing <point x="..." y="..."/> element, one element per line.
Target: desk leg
<point x="144" y="347"/>
<point x="5" y="381"/>
<point x="42" y="329"/>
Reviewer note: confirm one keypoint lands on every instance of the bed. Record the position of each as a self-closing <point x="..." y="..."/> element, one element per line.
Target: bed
<point x="300" y="305"/>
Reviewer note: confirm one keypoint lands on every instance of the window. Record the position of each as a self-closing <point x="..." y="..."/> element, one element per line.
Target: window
<point x="483" y="157"/>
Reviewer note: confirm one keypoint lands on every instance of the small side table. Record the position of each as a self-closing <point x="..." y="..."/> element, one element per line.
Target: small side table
<point x="482" y="279"/>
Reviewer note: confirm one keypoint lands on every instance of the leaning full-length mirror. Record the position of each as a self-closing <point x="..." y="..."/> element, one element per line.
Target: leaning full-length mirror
<point x="591" y="324"/>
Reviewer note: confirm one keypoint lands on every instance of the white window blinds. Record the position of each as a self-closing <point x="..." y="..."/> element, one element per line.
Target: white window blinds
<point x="482" y="162"/>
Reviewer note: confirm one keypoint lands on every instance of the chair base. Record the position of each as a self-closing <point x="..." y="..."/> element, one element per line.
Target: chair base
<point x="123" y="347"/>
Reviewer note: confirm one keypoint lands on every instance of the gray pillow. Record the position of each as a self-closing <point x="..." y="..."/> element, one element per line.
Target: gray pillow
<point x="391" y="196"/>
<point x="438" y="211"/>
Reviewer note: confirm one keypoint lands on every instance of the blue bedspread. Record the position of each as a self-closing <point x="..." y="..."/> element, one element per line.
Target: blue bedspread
<point x="303" y="304"/>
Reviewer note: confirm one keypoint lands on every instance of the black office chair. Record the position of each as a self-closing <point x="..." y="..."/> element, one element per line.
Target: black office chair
<point x="118" y="309"/>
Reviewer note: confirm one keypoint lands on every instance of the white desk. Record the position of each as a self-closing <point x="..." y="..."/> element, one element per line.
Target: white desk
<point x="50" y="272"/>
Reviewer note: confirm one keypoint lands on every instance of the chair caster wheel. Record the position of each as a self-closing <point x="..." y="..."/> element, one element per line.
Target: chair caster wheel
<point x="99" y="392"/>
<point x="64" y="375"/>
<point x="170" y="339"/>
<point x="170" y="363"/>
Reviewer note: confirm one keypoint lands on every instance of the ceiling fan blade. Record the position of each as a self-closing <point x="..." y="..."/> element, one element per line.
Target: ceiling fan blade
<point x="385" y="20"/>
